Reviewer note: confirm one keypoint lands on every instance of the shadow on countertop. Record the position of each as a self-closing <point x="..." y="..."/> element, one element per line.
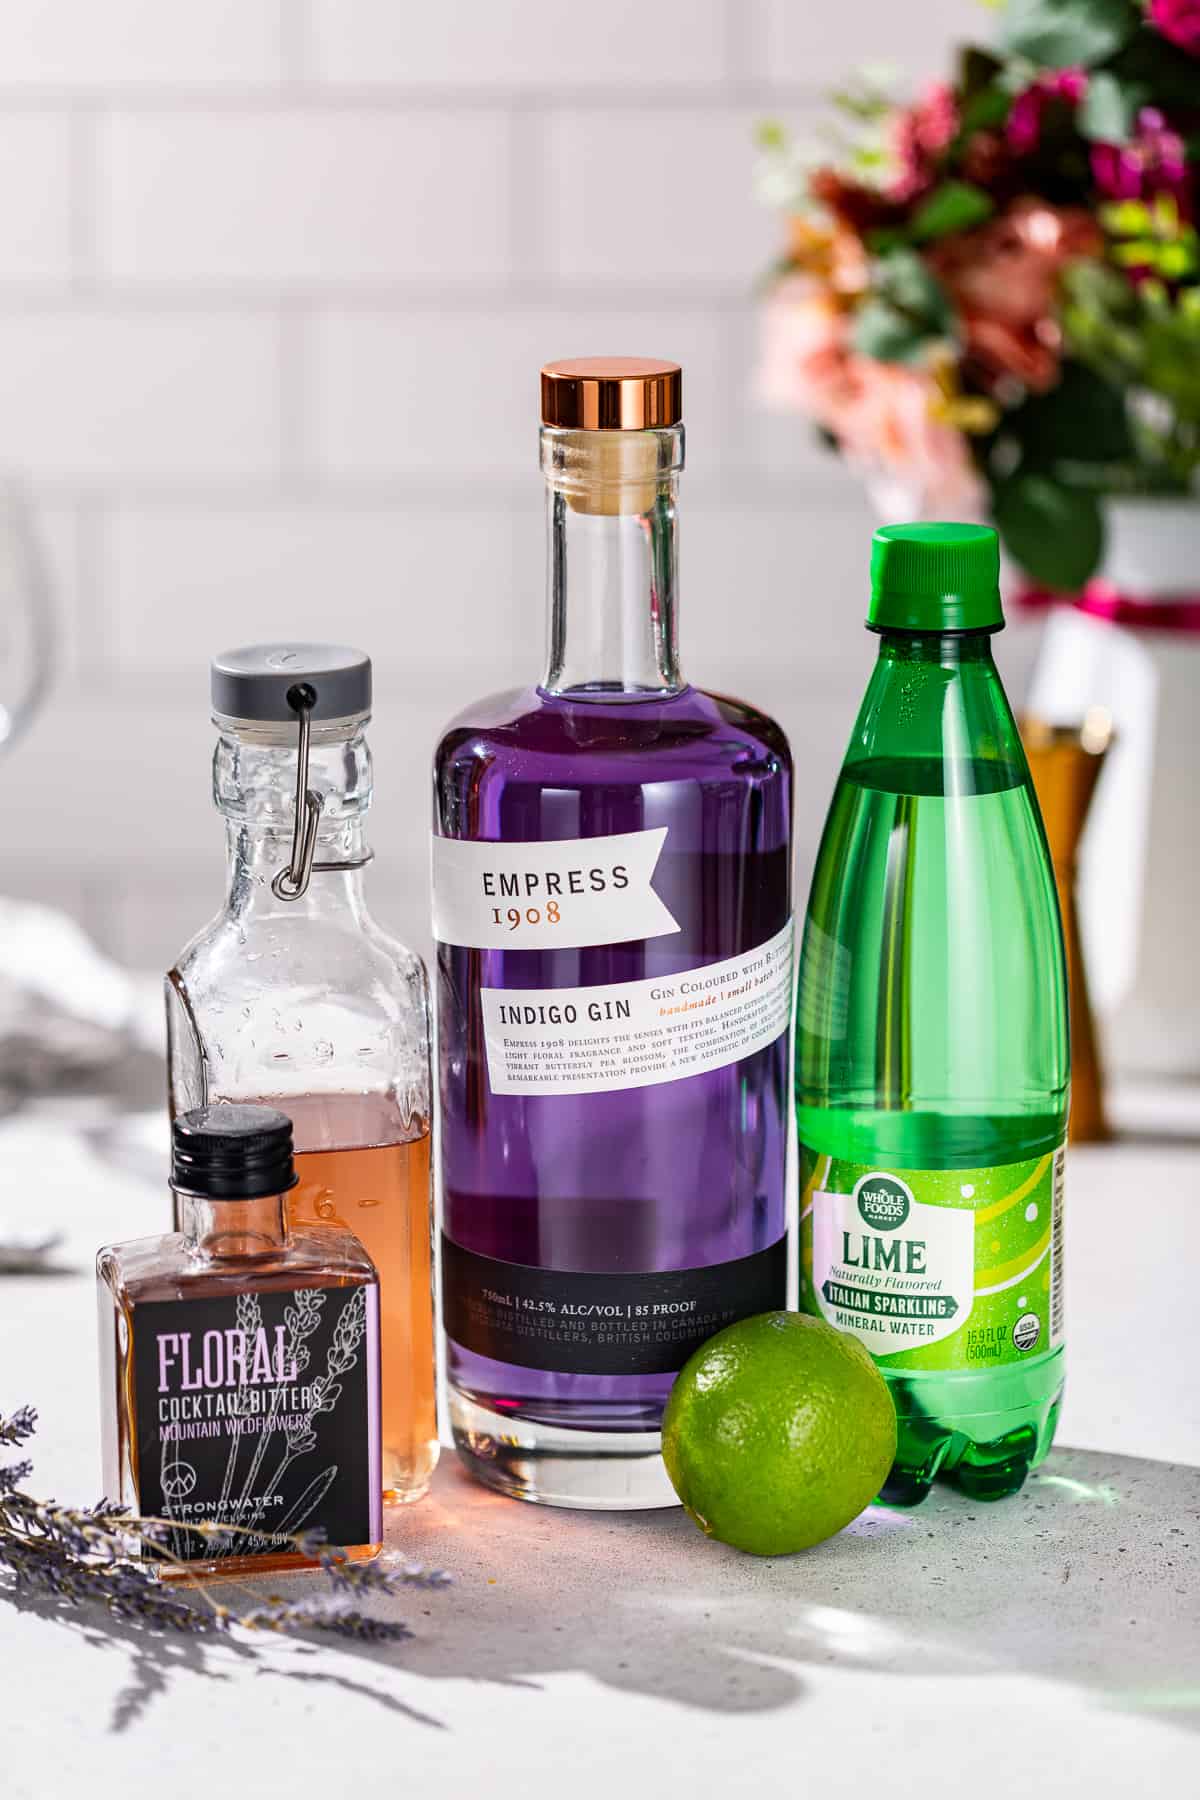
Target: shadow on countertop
<point x="1088" y="1578"/>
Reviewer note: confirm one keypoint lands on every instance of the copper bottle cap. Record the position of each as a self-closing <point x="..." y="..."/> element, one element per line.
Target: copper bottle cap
<point x="612" y="393"/>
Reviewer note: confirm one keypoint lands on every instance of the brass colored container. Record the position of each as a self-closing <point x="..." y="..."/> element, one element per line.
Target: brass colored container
<point x="1065" y="762"/>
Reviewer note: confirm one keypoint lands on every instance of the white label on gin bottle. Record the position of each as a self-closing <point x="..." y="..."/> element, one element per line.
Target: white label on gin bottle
<point x="560" y="895"/>
<point x="634" y="1034"/>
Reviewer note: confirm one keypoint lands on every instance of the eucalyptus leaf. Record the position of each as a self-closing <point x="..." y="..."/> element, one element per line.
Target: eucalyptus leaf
<point x="1110" y="108"/>
<point x="1055" y="533"/>
<point x="884" y="333"/>
<point x="903" y="279"/>
<point x="906" y="311"/>
<point x="1063" y="34"/>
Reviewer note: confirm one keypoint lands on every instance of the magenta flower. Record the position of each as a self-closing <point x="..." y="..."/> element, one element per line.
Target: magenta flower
<point x="1179" y="22"/>
<point x="1154" y="163"/>
<point x="1023" y="130"/>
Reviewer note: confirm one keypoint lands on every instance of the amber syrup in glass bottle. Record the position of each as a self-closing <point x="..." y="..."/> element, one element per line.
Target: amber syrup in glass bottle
<point x="240" y="1366"/>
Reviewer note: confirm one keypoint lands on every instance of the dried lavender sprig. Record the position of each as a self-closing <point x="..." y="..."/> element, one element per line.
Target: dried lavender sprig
<point x="83" y="1555"/>
<point x="130" y="1593"/>
<point x="20" y="1426"/>
<point x="325" y="1612"/>
<point x="13" y="1474"/>
<point x="125" y="1589"/>
<point x="387" y="1575"/>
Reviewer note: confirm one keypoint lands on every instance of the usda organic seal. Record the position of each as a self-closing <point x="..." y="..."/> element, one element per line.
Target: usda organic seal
<point x="1027" y="1331"/>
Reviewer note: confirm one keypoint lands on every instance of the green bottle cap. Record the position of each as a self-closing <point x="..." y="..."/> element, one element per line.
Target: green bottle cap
<point x="935" y="578"/>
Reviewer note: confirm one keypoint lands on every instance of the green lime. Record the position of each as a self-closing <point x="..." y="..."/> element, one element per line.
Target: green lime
<point x="778" y="1432"/>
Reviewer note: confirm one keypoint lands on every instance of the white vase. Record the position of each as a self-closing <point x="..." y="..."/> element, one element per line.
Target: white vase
<point x="1139" y="869"/>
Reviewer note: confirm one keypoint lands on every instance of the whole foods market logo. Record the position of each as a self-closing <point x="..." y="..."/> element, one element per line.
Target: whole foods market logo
<point x="883" y="1202"/>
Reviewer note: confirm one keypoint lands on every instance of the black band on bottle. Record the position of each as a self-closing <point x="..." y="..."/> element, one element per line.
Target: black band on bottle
<point x="601" y="1324"/>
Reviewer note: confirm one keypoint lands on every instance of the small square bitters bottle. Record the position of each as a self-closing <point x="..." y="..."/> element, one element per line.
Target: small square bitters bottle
<point x="293" y="997"/>
<point x="239" y="1362"/>
<point x="612" y="869"/>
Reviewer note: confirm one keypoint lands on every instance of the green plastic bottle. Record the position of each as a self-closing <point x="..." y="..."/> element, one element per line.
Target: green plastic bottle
<point x="932" y="1061"/>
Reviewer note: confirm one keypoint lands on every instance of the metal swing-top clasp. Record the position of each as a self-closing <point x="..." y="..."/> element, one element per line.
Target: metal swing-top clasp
<point x="292" y="883"/>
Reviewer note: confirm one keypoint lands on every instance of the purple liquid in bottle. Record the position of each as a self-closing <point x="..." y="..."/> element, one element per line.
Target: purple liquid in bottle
<point x="683" y="1174"/>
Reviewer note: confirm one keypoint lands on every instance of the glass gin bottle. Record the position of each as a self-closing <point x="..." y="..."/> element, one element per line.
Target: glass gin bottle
<point x="931" y="1053"/>
<point x="293" y="996"/>
<point x="611" y="865"/>
<point x="240" y="1362"/>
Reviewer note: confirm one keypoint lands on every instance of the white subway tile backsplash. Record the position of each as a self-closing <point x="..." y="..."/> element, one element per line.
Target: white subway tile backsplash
<point x="99" y="395"/>
<point x="35" y="198"/>
<point x="428" y="592"/>
<point x="139" y="803"/>
<point x="94" y="44"/>
<point x="522" y="44"/>
<point x="316" y="197"/>
<point x="445" y="395"/>
<point x="805" y="46"/>
<point x="660" y="195"/>
<point x="779" y="589"/>
<point x="276" y="278"/>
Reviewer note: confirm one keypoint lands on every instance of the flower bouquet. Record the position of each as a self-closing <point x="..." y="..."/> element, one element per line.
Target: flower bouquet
<point x="990" y="299"/>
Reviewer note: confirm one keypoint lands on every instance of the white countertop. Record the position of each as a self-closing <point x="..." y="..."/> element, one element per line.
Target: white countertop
<point x="1052" y="1640"/>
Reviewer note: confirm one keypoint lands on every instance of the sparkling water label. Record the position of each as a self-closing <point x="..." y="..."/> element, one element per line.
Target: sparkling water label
<point x="634" y="1034"/>
<point x="559" y="895"/>
<point x="935" y="1268"/>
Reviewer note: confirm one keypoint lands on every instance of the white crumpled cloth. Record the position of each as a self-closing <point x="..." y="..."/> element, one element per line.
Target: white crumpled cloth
<point x="69" y="1017"/>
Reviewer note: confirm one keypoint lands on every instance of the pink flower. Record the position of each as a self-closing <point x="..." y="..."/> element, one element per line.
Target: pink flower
<point x="1179" y="22"/>
<point x="805" y="343"/>
<point x="920" y="134"/>
<point x="885" y="417"/>
<point x="1002" y="279"/>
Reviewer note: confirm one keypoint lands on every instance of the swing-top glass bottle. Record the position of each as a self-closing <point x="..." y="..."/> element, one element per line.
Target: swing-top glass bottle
<point x="293" y="997"/>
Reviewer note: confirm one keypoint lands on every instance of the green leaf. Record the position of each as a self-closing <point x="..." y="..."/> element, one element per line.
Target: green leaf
<point x="1055" y="533"/>
<point x="883" y="239"/>
<point x="1082" y="419"/>
<point x="1162" y="70"/>
<point x="1108" y="114"/>
<point x="984" y="112"/>
<point x="982" y="97"/>
<point x="977" y="71"/>
<point x="1062" y="34"/>
<point x="954" y="206"/>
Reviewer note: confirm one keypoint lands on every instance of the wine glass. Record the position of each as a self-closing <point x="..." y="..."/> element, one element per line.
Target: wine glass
<point x="26" y="615"/>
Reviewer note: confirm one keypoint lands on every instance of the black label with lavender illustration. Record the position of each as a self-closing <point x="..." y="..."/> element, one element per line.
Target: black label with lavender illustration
<point x="601" y="1324"/>
<point x="259" y="1411"/>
